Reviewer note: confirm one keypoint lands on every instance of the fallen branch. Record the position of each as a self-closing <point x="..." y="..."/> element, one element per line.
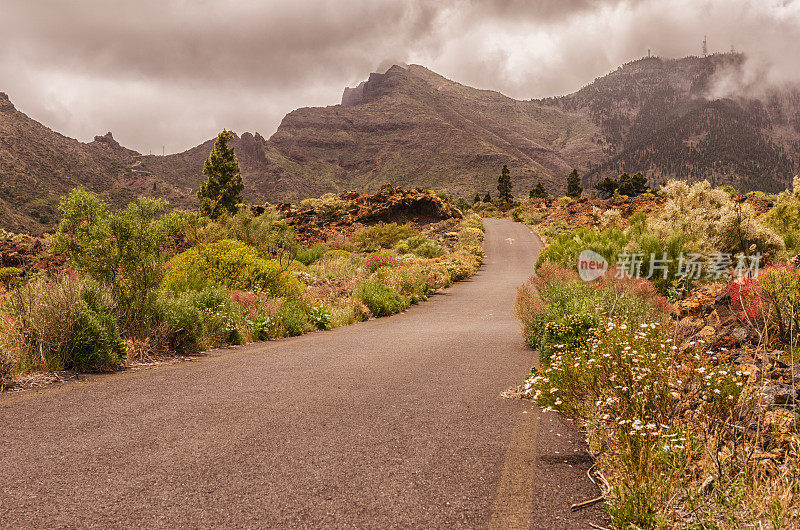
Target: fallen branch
<point x="576" y="507"/>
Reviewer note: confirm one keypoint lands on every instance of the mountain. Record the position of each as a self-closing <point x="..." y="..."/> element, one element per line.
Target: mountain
<point x="38" y="166"/>
<point x="656" y="116"/>
<point x="412" y="127"/>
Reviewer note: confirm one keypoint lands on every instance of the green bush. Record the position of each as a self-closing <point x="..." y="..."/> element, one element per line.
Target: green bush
<point x="423" y="246"/>
<point x="270" y="235"/>
<point x="230" y="264"/>
<point x="738" y="231"/>
<point x="198" y="320"/>
<point x="309" y="255"/>
<point x="413" y="283"/>
<point x="784" y="218"/>
<point x="559" y="311"/>
<point x="382" y="235"/>
<point x="10" y="276"/>
<point x="125" y="251"/>
<point x="96" y="343"/>
<point x="330" y="206"/>
<point x="67" y="323"/>
<point x="381" y="299"/>
<point x="566" y="247"/>
<point x="402" y="248"/>
<point x="293" y="319"/>
<point x="320" y="316"/>
<point x="670" y="248"/>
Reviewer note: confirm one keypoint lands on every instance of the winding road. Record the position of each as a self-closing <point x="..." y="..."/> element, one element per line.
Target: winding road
<point x="395" y="422"/>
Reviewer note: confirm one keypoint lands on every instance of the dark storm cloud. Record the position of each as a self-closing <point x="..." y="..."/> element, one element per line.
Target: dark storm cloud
<point x="172" y="73"/>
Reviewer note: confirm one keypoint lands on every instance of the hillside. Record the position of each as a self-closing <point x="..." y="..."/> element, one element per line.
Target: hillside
<point x="38" y="166"/>
<point x="412" y="127"/>
<point x="656" y="117"/>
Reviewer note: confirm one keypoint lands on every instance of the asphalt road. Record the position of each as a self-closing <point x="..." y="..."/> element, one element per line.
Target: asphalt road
<point x="395" y="422"/>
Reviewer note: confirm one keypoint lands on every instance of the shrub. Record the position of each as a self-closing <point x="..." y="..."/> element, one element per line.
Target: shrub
<point x="6" y="365"/>
<point x="470" y="236"/>
<point x="770" y="303"/>
<point x="784" y="217"/>
<point x="337" y="264"/>
<point x="373" y="263"/>
<point x="402" y="248"/>
<point x="346" y="311"/>
<point x="46" y="311"/>
<point x="463" y="263"/>
<point x="66" y="322"/>
<point x="293" y="319"/>
<point x="667" y="247"/>
<point x="463" y="204"/>
<point x="330" y="206"/>
<point x="262" y="327"/>
<point x="10" y="276"/>
<point x="381" y="299"/>
<point x="382" y="235"/>
<point x="631" y="388"/>
<point x="558" y="310"/>
<point x="566" y="247"/>
<point x="738" y="231"/>
<point x="125" y="251"/>
<point x="412" y="282"/>
<point x="311" y="254"/>
<point x="320" y="316"/>
<point x="200" y="319"/>
<point x="270" y="235"/>
<point x="610" y="218"/>
<point x="230" y="264"/>
<point x="423" y="246"/>
<point x="96" y="343"/>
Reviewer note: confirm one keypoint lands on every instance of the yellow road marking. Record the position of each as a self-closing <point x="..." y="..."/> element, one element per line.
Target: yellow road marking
<point x="514" y="500"/>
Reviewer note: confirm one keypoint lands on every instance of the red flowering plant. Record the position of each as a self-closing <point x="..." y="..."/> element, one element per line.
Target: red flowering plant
<point x="770" y="303"/>
<point x="377" y="261"/>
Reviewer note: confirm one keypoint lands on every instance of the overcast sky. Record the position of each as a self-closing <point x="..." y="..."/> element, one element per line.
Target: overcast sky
<point x="174" y="72"/>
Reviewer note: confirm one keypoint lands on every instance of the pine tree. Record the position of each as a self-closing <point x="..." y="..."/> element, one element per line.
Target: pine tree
<point x="607" y="187"/>
<point x="477" y="198"/>
<point x="574" y="188"/>
<point x="487" y="197"/>
<point x="222" y="191"/>
<point x="538" y="192"/>
<point x="504" y="185"/>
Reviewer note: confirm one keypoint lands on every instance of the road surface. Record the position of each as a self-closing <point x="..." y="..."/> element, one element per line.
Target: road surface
<point x="395" y="422"/>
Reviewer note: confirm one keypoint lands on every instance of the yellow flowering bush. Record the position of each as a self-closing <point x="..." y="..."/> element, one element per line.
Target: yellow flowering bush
<point x="230" y="264"/>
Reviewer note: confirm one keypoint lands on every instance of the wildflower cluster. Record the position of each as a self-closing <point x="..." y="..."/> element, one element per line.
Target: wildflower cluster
<point x="377" y="261"/>
<point x="631" y="386"/>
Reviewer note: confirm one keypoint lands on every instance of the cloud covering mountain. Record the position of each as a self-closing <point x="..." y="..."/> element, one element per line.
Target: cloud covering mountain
<point x="172" y="73"/>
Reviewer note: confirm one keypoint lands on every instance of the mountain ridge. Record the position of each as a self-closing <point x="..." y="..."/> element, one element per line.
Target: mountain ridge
<point x="410" y="126"/>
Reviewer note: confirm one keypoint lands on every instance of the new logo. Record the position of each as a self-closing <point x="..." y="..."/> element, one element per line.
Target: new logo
<point x="591" y="265"/>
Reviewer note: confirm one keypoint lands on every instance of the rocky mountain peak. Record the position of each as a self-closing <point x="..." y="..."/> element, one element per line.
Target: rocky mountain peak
<point x="5" y="103"/>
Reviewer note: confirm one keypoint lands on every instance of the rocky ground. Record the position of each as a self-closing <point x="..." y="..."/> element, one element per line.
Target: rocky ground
<point x="708" y="316"/>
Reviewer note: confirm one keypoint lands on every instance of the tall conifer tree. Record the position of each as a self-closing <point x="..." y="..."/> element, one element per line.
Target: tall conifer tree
<point x="221" y="192"/>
